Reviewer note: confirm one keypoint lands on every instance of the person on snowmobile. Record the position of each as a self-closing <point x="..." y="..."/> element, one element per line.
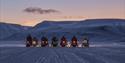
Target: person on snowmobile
<point x="44" y="41"/>
<point x="28" y="41"/>
<point x="63" y="42"/>
<point x="74" y="42"/>
<point x="85" y="42"/>
<point x="54" y="42"/>
<point x="34" y="42"/>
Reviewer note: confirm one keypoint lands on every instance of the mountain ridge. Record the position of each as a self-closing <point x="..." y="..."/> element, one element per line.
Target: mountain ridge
<point x="100" y="29"/>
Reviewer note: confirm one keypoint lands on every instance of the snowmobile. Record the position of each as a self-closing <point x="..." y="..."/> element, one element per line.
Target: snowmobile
<point x="74" y="42"/>
<point x="85" y="43"/>
<point x="44" y="41"/>
<point x="28" y="41"/>
<point x="34" y="42"/>
<point x="54" y="42"/>
<point x="68" y="45"/>
<point x="63" y="42"/>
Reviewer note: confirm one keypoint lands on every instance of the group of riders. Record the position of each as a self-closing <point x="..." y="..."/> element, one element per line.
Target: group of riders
<point x="33" y="42"/>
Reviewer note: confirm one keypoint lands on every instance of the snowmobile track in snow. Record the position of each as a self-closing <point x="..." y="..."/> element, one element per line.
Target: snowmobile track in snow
<point x="62" y="55"/>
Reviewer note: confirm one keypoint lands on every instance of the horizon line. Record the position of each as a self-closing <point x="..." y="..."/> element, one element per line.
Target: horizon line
<point x="62" y="21"/>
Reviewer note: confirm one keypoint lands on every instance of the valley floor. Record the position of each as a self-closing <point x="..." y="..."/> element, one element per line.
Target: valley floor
<point x="62" y="55"/>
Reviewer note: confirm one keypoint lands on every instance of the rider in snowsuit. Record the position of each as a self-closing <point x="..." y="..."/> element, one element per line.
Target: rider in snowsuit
<point x="85" y="42"/>
<point x="34" y="42"/>
<point x="54" y="42"/>
<point x="74" y="42"/>
<point x="28" y="41"/>
<point x="44" y="41"/>
<point x="63" y="42"/>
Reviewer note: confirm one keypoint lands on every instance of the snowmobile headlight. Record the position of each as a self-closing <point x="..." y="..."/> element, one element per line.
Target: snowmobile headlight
<point x="74" y="41"/>
<point x="34" y="42"/>
<point x="63" y="41"/>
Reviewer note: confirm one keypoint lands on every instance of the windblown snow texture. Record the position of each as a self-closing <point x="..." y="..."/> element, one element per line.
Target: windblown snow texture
<point x="62" y="55"/>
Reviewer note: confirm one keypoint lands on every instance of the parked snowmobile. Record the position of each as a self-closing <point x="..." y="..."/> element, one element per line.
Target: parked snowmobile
<point x="68" y="45"/>
<point x="29" y="41"/>
<point x="74" y="42"/>
<point x="35" y="42"/>
<point x="54" y="42"/>
<point x="44" y="41"/>
<point x="63" y="42"/>
<point x="85" y="43"/>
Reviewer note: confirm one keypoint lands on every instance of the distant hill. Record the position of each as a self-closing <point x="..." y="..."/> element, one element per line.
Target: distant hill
<point x="7" y="31"/>
<point x="94" y="29"/>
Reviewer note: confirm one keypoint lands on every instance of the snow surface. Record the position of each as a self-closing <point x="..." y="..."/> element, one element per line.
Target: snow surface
<point x="98" y="52"/>
<point x="62" y="55"/>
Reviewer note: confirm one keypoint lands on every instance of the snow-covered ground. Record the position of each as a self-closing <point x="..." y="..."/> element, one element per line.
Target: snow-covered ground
<point x="98" y="52"/>
<point x="62" y="55"/>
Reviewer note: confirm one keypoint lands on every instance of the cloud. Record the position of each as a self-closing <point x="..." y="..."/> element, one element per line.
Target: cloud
<point x="40" y="10"/>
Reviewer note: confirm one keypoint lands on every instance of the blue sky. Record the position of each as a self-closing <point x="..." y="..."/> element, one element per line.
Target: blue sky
<point x="12" y="11"/>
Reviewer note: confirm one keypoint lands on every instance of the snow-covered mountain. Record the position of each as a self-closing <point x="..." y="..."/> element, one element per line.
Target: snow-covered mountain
<point x="94" y="29"/>
<point x="9" y="31"/>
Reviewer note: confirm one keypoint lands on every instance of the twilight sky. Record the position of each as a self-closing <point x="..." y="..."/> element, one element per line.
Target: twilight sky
<point x="31" y="12"/>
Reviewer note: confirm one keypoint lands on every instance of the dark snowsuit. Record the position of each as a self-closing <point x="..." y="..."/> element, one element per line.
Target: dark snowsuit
<point x="28" y="41"/>
<point x="54" y="42"/>
<point x="74" y="42"/>
<point x="63" y="42"/>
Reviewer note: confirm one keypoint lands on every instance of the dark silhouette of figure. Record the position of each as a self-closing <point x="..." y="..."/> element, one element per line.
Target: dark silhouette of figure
<point x="34" y="42"/>
<point x="44" y="41"/>
<point x="74" y="42"/>
<point x="28" y="41"/>
<point x="63" y="42"/>
<point x="54" y="42"/>
<point x="85" y="42"/>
